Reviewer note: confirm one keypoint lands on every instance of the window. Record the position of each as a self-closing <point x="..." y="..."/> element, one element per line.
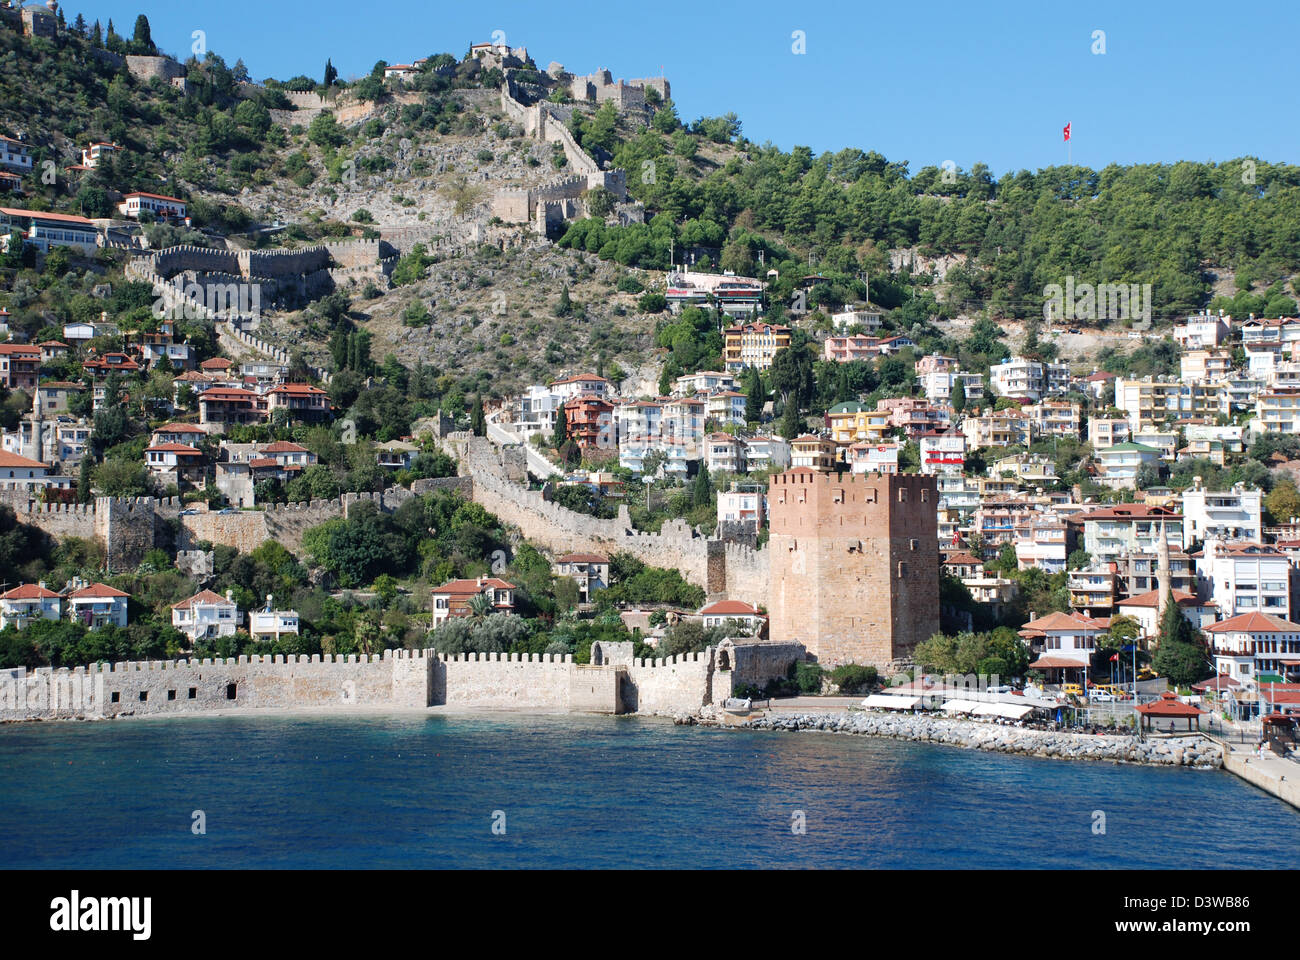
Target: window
<point x="231" y="690"/>
<point x="193" y="693"/>
<point x="171" y="694"/>
<point x="115" y="697"/>
<point x="144" y="695"/>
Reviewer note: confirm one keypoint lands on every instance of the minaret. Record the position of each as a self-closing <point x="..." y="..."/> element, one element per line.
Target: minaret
<point x="1163" y="576"/>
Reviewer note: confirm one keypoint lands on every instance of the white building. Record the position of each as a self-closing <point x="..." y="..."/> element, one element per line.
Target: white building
<point x="703" y="381"/>
<point x="868" y="318"/>
<point x="764" y="453"/>
<point x="31" y="601"/>
<point x="15" y="155"/>
<point x="744" y="502"/>
<point x="1222" y="515"/>
<point x="1245" y="578"/>
<point x="269" y="624"/>
<point x="748" y="617"/>
<point x="206" y="615"/>
<point x="97" y="605"/>
<point x="1251" y="644"/>
<point x="162" y="207"/>
<point x="1024" y="379"/>
<point x="1203" y="330"/>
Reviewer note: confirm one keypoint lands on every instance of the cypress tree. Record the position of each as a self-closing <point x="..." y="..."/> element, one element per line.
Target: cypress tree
<point x="477" y="421"/>
<point x="561" y="433"/>
<point x="754" y="396"/>
<point x="702" y="492"/>
<point x="83" y="479"/>
<point x="958" y="398"/>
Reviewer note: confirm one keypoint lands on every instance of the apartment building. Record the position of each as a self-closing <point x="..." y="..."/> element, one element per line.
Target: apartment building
<point x="1104" y="432"/>
<point x="1118" y="465"/>
<point x="942" y="451"/>
<point x="816" y="453"/>
<point x="753" y="345"/>
<point x="855" y="422"/>
<point x="1002" y="428"/>
<point x="1204" y="330"/>
<point x="1053" y="419"/>
<point x="1208" y="365"/>
<point x="1024" y="379"/>
<point x="1127" y="528"/>
<point x="1234" y="514"/>
<point x="1149" y="402"/>
<point x="1245" y="578"/>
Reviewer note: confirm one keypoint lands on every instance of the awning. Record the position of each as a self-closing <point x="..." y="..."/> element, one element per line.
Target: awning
<point x="886" y="702"/>
<point x="1011" y="711"/>
<point x="961" y="706"/>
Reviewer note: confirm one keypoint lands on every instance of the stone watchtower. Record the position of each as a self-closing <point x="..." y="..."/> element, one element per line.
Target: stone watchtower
<point x="854" y="564"/>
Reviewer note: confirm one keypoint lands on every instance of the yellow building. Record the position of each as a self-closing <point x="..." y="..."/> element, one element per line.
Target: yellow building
<point x="753" y="345"/>
<point x="816" y="453"/>
<point x="854" y="422"/>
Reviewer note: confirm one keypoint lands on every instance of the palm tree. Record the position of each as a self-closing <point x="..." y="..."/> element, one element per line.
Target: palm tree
<point x="479" y="606"/>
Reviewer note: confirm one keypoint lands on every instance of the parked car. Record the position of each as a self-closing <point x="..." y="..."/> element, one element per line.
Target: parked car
<point x="1072" y="690"/>
<point x="1098" y="695"/>
<point x="1000" y="688"/>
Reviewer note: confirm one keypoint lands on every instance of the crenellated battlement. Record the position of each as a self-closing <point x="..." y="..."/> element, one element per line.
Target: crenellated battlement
<point x="390" y="679"/>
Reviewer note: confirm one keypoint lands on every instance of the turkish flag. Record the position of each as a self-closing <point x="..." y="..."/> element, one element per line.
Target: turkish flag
<point x="1114" y="657"/>
<point x="1067" y="131"/>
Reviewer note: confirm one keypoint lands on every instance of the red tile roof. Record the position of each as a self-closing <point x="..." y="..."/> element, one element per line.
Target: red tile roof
<point x="97" y="590"/>
<point x="28" y="591"/>
<point x="8" y="459"/>
<point x="730" y="608"/>
<point x="469" y="587"/>
<point x="202" y="597"/>
<point x="1253" y="622"/>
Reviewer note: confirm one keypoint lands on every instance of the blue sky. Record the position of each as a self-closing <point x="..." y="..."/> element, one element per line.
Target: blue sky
<point x="923" y="82"/>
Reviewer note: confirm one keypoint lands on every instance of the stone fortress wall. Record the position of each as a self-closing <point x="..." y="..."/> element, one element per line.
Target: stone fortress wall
<point x="551" y="204"/>
<point x="727" y="570"/>
<point x="395" y="679"/>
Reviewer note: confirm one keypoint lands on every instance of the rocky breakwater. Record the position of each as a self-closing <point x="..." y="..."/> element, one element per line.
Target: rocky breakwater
<point x="1174" y="751"/>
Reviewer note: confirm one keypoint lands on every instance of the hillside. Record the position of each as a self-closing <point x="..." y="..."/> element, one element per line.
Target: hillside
<point x="292" y="162"/>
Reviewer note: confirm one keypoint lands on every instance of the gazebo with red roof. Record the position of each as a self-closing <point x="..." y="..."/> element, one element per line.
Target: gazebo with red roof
<point x="1169" y="707"/>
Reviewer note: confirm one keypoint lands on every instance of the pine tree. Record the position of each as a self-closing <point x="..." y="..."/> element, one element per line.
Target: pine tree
<point x="561" y="433"/>
<point x="79" y="25"/>
<point x="97" y="34"/>
<point x="476" y="420"/>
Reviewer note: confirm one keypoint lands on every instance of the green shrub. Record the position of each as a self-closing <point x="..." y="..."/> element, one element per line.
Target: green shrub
<point x="854" y="678"/>
<point x="808" y="678"/>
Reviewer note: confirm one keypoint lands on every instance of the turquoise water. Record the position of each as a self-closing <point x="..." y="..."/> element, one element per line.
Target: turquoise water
<point x="421" y="791"/>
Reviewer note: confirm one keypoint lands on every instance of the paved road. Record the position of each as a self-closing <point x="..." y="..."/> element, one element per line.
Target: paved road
<point x="538" y="465"/>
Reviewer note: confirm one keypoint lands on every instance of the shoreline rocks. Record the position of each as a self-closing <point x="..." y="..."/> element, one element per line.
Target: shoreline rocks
<point x="1175" y="751"/>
